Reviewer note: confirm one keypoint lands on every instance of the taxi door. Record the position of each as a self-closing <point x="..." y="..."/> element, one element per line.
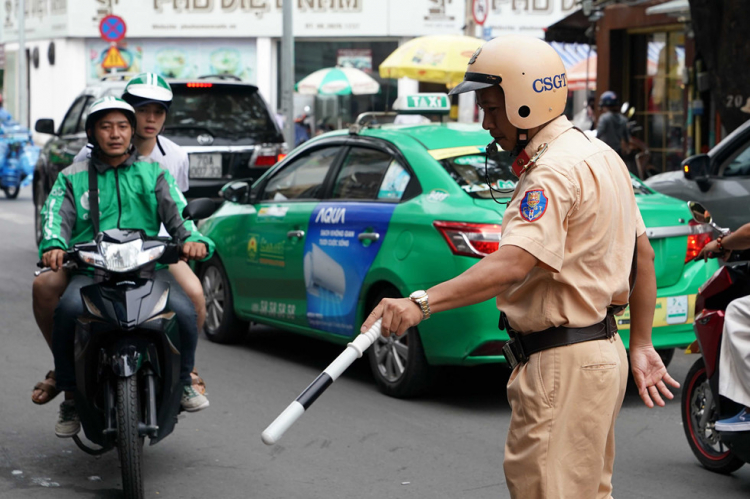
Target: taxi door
<point x="270" y="282"/>
<point x="346" y="232"/>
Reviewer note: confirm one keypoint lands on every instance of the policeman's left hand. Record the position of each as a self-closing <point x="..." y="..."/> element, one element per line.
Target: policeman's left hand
<point x="399" y="314"/>
<point x="650" y="375"/>
<point x="194" y="251"/>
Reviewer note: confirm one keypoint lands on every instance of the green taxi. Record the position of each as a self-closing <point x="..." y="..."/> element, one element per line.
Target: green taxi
<point x="382" y="210"/>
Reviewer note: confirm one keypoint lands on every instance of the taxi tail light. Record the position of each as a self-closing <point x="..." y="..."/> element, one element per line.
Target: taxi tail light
<point x="700" y="236"/>
<point x="268" y="155"/>
<point x="470" y="239"/>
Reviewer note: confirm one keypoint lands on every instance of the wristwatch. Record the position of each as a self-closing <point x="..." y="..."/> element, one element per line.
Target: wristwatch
<point x="420" y="298"/>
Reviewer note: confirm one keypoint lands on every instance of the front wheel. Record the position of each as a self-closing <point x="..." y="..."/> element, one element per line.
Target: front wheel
<point x="12" y="192"/>
<point x="129" y="442"/>
<point x="222" y="324"/>
<point x="399" y="364"/>
<point x="699" y="414"/>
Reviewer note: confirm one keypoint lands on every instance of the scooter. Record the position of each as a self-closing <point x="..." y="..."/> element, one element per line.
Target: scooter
<point x="702" y="406"/>
<point x="127" y="345"/>
<point x="18" y="155"/>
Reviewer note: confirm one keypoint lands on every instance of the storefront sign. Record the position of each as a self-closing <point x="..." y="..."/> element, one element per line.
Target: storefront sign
<point x="235" y="18"/>
<point x="529" y="17"/>
<point x="185" y="59"/>
<point x="43" y="19"/>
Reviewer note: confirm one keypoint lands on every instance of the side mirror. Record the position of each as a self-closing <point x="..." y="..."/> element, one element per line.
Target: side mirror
<point x="700" y="213"/>
<point x="696" y="167"/>
<point x="45" y="125"/>
<point x="236" y="192"/>
<point x="624" y="107"/>
<point x="198" y="209"/>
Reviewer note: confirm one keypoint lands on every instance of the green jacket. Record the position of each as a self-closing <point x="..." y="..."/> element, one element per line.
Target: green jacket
<point x="138" y="194"/>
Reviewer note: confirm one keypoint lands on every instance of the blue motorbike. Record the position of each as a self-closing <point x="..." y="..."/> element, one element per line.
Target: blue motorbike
<point x="18" y="155"/>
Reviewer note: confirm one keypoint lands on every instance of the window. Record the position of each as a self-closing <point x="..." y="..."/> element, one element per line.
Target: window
<point x="657" y="63"/>
<point x="470" y="172"/>
<point x="302" y="178"/>
<point x="222" y="110"/>
<point x="370" y="174"/>
<point x="739" y="165"/>
<point x="70" y="122"/>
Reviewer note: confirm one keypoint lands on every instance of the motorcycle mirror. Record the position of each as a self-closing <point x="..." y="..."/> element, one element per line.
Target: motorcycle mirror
<point x="700" y="213"/>
<point x="198" y="209"/>
<point x="624" y="107"/>
<point x="631" y="112"/>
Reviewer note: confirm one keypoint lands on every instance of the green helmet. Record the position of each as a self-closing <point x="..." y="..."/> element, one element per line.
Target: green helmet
<point x="147" y="88"/>
<point x="102" y="106"/>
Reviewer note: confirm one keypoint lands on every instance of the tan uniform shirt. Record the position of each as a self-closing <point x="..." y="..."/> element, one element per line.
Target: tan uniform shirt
<point x="575" y="211"/>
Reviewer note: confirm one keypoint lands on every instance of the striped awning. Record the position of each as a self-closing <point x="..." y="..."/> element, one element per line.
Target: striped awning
<point x="576" y="57"/>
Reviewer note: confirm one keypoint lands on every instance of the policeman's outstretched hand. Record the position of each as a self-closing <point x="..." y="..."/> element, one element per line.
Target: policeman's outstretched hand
<point x="194" y="251"/>
<point x="650" y="375"/>
<point x="53" y="259"/>
<point x="399" y="314"/>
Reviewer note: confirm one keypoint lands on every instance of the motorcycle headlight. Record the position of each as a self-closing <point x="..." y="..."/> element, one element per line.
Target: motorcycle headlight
<point x="127" y="256"/>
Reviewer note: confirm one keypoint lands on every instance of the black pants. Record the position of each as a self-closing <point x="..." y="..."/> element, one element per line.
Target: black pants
<point x="71" y="306"/>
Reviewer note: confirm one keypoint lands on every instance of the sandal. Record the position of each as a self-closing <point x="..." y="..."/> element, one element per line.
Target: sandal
<point x="198" y="384"/>
<point x="47" y="388"/>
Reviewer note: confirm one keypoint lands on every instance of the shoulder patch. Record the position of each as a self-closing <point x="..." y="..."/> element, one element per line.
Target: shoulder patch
<point x="533" y="205"/>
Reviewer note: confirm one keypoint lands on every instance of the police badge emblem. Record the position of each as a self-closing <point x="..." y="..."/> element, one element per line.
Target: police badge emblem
<point x="533" y="205"/>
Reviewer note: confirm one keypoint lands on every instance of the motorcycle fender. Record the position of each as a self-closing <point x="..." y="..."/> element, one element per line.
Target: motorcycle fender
<point x="126" y="360"/>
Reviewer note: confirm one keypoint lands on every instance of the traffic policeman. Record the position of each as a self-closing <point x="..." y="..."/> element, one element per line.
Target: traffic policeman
<point x="573" y="241"/>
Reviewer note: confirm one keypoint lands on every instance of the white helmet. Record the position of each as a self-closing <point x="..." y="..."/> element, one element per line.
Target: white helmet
<point x="529" y="71"/>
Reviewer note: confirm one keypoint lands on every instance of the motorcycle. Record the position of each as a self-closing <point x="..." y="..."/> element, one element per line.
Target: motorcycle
<point x="18" y="155"/>
<point x="127" y="345"/>
<point x="702" y="405"/>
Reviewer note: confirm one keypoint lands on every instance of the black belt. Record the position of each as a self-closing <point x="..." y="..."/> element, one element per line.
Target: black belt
<point x="520" y="346"/>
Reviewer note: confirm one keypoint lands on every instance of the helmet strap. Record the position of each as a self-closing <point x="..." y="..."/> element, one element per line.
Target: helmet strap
<point x="522" y="140"/>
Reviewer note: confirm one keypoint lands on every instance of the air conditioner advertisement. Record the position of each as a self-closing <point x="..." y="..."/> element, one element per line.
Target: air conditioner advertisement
<point x="337" y="259"/>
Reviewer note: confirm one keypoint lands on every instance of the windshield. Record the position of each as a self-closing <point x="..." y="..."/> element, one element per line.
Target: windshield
<point x="221" y="110"/>
<point x="468" y="171"/>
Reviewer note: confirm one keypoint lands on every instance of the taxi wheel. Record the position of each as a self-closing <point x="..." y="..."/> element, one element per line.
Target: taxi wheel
<point x="398" y="363"/>
<point x="222" y="325"/>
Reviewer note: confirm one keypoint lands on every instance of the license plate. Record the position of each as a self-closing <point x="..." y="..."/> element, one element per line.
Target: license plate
<point x="669" y="310"/>
<point x="205" y="165"/>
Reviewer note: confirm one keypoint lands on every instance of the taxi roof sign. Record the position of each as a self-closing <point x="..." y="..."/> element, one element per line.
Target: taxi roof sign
<point x="432" y="103"/>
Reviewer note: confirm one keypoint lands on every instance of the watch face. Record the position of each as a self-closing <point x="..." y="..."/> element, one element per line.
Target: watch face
<point x="416" y="295"/>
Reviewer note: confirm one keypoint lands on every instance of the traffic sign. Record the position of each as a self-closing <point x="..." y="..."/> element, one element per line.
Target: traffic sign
<point x="113" y="59"/>
<point x="112" y="28"/>
<point x="480" y="9"/>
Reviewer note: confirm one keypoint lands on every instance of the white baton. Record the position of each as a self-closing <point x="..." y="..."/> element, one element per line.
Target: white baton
<point x="286" y="419"/>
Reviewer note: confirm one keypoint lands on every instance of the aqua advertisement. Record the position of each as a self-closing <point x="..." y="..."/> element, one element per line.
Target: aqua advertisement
<point x="339" y="249"/>
<point x="181" y="59"/>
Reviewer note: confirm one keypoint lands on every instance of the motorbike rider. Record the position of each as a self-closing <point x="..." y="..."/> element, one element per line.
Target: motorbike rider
<point x="134" y="192"/>
<point x="612" y="127"/>
<point x="151" y="96"/>
<point x="734" y="359"/>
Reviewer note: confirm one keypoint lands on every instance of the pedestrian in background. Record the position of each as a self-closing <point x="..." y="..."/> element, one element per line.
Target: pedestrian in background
<point x="612" y="127"/>
<point x="571" y="235"/>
